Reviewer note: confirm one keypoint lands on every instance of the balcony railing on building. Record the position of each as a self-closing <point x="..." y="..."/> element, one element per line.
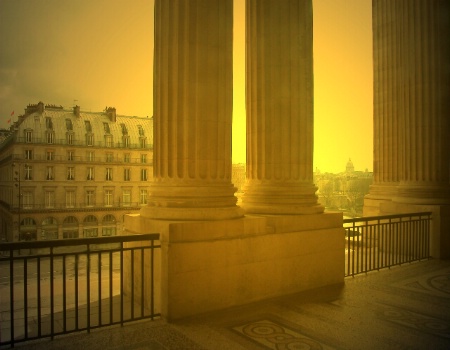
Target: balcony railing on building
<point x="102" y="144"/>
<point x="377" y="242"/>
<point x="85" y="159"/>
<point x="49" y="288"/>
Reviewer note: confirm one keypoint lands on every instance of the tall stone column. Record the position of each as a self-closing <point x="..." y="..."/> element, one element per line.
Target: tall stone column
<point x="411" y="102"/>
<point x="387" y="104"/>
<point x="192" y="112"/>
<point x="279" y="101"/>
<point x="425" y="94"/>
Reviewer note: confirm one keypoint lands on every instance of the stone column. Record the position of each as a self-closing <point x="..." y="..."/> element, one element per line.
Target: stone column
<point x="192" y="112"/>
<point x="279" y="102"/>
<point x="411" y="102"/>
<point x="425" y="94"/>
<point x="387" y="106"/>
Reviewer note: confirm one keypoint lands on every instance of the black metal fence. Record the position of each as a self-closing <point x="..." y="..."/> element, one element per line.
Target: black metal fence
<point x="48" y="288"/>
<point x="376" y="242"/>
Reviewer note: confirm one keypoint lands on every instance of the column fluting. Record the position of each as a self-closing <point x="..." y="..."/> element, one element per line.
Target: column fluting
<point x="192" y="111"/>
<point x="279" y="104"/>
<point x="425" y="95"/>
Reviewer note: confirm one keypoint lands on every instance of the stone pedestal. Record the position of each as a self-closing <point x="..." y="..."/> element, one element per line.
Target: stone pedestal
<point x="279" y="103"/>
<point x="212" y="265"/>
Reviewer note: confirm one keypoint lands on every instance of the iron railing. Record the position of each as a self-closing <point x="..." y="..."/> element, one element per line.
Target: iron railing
<point x="377" y="242"/>
<point x="49" y="288"/>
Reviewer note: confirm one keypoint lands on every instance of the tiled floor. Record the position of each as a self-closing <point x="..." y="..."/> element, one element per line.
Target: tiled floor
<point x="406" y="307"/>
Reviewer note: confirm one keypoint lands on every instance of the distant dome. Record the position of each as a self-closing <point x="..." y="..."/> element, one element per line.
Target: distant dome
<point x="349" y="167"/>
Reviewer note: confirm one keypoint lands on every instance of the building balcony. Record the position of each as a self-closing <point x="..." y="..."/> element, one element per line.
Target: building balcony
<point x="81" y="159"/>
<point x="83" y="143"/>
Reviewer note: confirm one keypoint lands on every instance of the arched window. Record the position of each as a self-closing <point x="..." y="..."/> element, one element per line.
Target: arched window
<point x="109" y="225"/>
<point x="90" y="228"/>
<point x="49" y="229"/>
<point x="28" y="230"/>
<point x="70" y="227"/>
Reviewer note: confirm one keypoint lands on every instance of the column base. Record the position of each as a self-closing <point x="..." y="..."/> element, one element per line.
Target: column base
<point x="432" y="194"/>
<point x="192" y="200"/>
<point x="281" y="199"/>
<point x="379" y="194"/>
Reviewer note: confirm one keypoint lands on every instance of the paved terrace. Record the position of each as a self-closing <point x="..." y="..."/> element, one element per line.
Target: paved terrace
<point x="406" y="307"/>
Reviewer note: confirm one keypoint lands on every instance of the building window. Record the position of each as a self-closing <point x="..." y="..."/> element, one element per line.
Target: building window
<point x="126" y="157"/>
<point x="27" y="200"/>
<point x="88" y="126"/>
<point x="108" y="197"/>
<point x="28" y="154"/>
<point x="50" y="137"/>
<point x="124" y="129"/>
<point x="89" y="139"/>
<point x="90" y="198"/>
<point x="106" y="128"/>
<point x="50" y="173"/>
<point x="109" y="174"/>
<point x="49" y="199"/>
<point x="109" y="157"/>
<point x="126" y="141"/>
<point x="69" y="138"/>
<point x="48" y="123"/>
<point x="90" y="226"/>
<point x="143" y="158"/>
<point x="28" y="136"/>
<point x="126" y="197"/>
<point x="143" y="174"/>
<point x="69" y="125"/>
<point x="109" y="225"/>
<point x="126" y="174"/>
<point x="143" y="197"/>
<point x="50" y="155"/>
<point x="143" y="142"/>
<point x="108" y="141"/>
<point x="28" y="172"/>
<point x="70" y="227"/>
<point x="70" y="155"/>
<point x="71" y="173"/>
<point x="49" y="229"/>
<point x="70" y="199"/>
<point x="90" y="156"/>
<point x="90" y="173"/>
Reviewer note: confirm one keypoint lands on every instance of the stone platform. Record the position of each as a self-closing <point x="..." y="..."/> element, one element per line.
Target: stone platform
<point x="406" y="307"/>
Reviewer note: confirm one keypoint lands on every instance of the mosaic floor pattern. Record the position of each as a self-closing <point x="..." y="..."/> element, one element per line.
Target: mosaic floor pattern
<point x="277" y="336"/>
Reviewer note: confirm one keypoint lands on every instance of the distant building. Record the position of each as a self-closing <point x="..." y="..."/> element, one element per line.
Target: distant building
<point x="69" y="173"/>
<point x="344" y="191"/>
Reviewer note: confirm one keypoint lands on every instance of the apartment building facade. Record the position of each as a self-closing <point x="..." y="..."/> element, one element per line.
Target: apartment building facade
<point x="66" y="173"/>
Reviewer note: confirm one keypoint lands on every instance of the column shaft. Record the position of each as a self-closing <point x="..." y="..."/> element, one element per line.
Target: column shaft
<point x="279" y="101"/>
<point x="411" y="41"/>
<point x="387" y="107"/>
<point x="192" y="111"/>
<point x="425" y="91"/>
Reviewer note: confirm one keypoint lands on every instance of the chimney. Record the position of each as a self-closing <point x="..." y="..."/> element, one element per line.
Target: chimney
<point x="40" y="107"/>
<point x="111" y="111"/>
<point x="76" y="110"/>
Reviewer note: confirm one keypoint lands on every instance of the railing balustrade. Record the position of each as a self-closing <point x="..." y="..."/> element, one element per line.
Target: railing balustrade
<point x="49" y="288"/>
<point x="377" y="242"/>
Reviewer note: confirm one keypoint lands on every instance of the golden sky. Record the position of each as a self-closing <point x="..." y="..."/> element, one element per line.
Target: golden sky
<point x="99" y="53"/>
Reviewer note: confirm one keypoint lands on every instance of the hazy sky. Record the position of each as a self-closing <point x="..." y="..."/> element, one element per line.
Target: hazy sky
<point x="99" y="53"/>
